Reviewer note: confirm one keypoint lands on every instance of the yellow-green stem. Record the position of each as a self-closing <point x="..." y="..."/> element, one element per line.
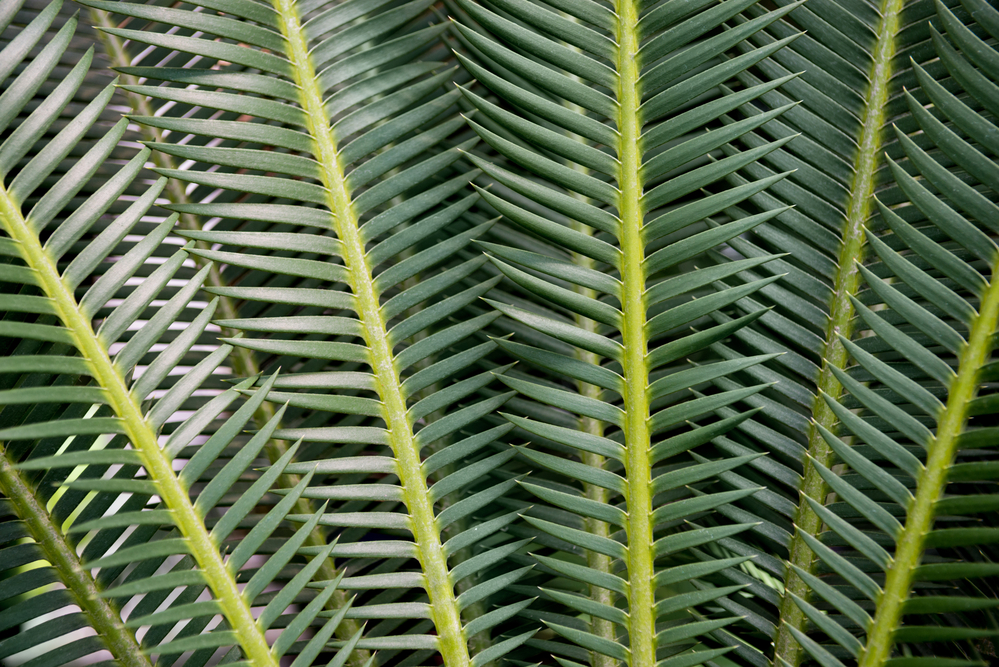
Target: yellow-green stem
<point x="244" y="363"/>
<point x="444" y="610"/>
<point x="933" y="479"/>
<point x="104" y="617"/>
<point x="840" y="323"/>
<point x="641" y="593"/>
<point x="142" y="436"/>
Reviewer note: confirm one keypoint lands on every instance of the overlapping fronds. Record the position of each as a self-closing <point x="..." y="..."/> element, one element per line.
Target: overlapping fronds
<point x="854" y="62"/>
<point x="606" y="117"/>
<point x="85" y="400"/>
<point x="908" y="545"/>
<point x="748" y="276"/>
<point x="22" y="14"/>
<point x="354" y="146"/>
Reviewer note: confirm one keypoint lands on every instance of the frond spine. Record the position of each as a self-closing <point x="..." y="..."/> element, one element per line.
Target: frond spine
<point x="143" y="438"/>
<point x="840" y="323"/>
<point x="641" y="572"/>
<point x="933" y="478"/>
<point x="444" y="609"/>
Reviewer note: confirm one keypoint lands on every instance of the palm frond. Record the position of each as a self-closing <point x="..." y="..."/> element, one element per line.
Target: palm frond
<point x="915" y="505"/>
<point x="96" y="432"/>
<point x="129" y="60"/>
<point x="854" y="62"/>
<point x="603" y="153"/>
<point x="747" y="274"/>
<point x="360" y="171"/>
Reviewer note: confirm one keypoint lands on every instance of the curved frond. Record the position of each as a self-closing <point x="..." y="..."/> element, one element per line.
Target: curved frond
<point x="912" y="528"/>
<point x="647" y="333"/>
<point x="130" y="60"/>
<point x="95" y="432"/>
<point x="854" y="62"/>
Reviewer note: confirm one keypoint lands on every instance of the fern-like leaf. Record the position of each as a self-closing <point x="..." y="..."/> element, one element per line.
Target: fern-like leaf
<point x="364" y="163"/>
<point x="855" y="60"/>
<point x="914" y="499"/>
<point x="101" y="425"/>
<point x="600" y="168"/>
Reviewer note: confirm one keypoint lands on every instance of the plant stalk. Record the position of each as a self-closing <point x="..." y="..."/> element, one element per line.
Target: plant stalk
<point x="600" y="562"/>
<point x="244" y="363"/>
<point x="597" y="561"/>
<point x="104" y="617"/>
<point x="933" y="479"/>
<point x="142" y="436"/>
<point x="481" y="641"/>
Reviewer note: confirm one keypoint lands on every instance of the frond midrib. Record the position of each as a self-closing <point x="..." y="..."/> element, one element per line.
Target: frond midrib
<point x="841" y="321"/>
<point x="243" y="359"/>
<point x="104" y="618"/>
<point x="933" y="479"/>
<point x="631" y="209"/>
<point x="444" y="610"/>
<point x="142" y="436"/>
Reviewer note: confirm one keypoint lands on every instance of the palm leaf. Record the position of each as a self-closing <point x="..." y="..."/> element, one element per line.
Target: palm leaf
<point x="909" y="511"/>
<point x="103" y="426"/>
<point x="854" y="62"/>
<point x="353" y="144"/>
<point x="600" y="164"/>
<point x="806" y="476"/>
<point x="129" y="62"/>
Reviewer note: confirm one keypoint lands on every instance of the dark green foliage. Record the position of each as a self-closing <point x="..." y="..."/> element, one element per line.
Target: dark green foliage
<point x="394" y="332"/>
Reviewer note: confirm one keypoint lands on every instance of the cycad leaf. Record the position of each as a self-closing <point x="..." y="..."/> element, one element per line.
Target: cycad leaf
<point x="587" y="172"/>
<point x="902" y="501"/>
<point x="373" y="181"/>
<point x="114" y="418"/>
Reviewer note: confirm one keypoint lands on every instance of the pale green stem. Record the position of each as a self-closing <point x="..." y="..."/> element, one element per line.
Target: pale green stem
<point x="142" y="436"/>
<point x="641" y="593"/>
<point x="444" y="610"/>
<point x="244" y="363"/>
<point x="841" y="316"/>
<point x="597" y="561"/>
<point x="104" y="618"/>
<point x="601" y="563"/>
<point x="933" y="479"/>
